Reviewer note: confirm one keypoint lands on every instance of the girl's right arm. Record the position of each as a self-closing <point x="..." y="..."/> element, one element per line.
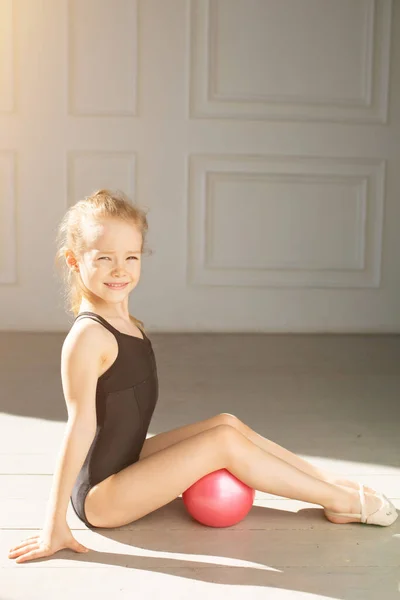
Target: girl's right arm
<point x="81" y="359"/>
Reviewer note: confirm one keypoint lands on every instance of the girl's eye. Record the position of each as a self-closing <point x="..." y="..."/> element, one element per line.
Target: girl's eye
<point x="101" y="257"/>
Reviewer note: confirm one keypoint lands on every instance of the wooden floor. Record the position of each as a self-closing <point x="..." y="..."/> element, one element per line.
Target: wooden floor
<point x="335" y="400"/>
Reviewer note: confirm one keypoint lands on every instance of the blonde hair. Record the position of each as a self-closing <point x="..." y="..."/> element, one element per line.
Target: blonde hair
<point x="70" y="236"/>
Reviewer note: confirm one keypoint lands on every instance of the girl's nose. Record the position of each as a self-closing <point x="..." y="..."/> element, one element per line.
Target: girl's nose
<point x="118" y="270"/>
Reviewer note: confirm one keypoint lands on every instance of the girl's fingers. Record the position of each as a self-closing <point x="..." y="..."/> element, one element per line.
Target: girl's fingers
<point x="25" y="542"/>
<point x="31" y="555"/>
<point x="22" y="550"/>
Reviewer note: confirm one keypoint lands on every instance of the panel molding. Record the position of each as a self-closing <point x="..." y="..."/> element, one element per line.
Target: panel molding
<point x="102" y="181"/>
<point x="358" y="262"/>
<point x="362" y="272"/>
<point x="206" y="101"/>
<point x="7" y="58"/>
<point x="8" y="224"/>
<point x="73" y="104"/>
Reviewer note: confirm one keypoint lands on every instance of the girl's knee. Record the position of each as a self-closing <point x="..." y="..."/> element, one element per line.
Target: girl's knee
<point x="226" y="438"/>
<point x="228" y="419"/>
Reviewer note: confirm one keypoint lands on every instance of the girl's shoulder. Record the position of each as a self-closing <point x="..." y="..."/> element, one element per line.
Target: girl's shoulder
<point x="89" y="335"/>
<point x="82" y="360"/>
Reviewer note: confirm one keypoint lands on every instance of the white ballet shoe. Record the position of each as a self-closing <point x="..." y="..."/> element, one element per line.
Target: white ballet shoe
<point x="392" y="506"/>
<point x="385" y="515"/>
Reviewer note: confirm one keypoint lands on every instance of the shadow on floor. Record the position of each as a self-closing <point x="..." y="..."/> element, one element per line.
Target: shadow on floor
<point x="196" y="552"/>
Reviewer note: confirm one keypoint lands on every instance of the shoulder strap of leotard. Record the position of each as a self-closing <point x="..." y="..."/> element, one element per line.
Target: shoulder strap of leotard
<point x="106" y="324"/>
<point x="99" y="319"/>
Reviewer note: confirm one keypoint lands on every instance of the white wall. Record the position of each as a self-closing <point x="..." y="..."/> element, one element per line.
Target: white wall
<point x="262" y="135"/>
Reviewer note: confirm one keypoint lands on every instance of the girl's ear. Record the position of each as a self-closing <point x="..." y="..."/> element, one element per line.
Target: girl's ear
<point x="71" y="260"/>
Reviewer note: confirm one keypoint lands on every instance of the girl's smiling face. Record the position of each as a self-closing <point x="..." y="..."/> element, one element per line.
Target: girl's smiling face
<point x="112" y="255"/>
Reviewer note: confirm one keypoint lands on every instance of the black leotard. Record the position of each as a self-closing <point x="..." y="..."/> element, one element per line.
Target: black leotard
<point x="126" y="396"/>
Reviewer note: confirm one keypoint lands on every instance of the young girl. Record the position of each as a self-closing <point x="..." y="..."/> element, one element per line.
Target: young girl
<point x="111" y="472"/>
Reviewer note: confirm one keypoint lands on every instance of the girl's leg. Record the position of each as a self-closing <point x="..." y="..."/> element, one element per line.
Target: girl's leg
<point x="158" y="479"/>
<point x="165" y="439"/>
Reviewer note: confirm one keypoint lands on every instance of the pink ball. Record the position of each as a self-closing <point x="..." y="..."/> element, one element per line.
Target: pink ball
<point x="218" y="499"/>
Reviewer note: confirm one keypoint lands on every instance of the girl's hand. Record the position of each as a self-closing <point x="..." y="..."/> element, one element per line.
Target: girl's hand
<point x="46" y="544"/>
